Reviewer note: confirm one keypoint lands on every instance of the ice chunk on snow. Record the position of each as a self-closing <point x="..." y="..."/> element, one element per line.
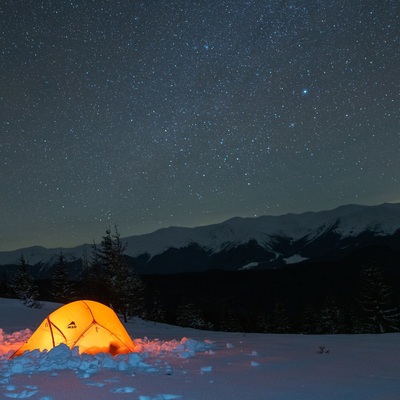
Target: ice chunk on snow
<point x="126" y="389"/>
<point x="134" y="359"/>
<point x="60" y="352"/>
<point x="23" y="395"/>
<point x="62" y="357"/>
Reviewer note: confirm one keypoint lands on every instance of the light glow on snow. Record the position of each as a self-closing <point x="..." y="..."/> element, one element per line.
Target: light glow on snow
<point x="200" y="365"/>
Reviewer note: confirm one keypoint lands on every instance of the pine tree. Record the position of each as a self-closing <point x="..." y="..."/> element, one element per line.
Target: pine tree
<point x="125" y="287"/>
<point x="375" y="299"/>
<point x="188" y="315"/>
<point x="98" y="281"/>
<point x="85" y="271"/>
<point x="156" y="310"/>
<point x="61" y="288"/>
<point x="310" y="320"/>
<point x="92" y="277"/>
<point x="331" y="319"/>
<point x="279" y="321"/>
<point x="24" y="285"/>
<point x="263" y="323"/>
<point x="227" y="320"/>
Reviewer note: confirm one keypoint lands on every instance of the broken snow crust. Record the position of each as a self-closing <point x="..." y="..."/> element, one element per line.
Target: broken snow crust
<point x="179" y="363"/>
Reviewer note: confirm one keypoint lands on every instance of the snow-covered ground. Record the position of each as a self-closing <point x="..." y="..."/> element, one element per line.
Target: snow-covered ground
<point x="178" y="363"/>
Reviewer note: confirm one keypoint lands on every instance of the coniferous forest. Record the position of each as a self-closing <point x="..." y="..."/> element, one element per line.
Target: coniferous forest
<point x="304" y="298"/>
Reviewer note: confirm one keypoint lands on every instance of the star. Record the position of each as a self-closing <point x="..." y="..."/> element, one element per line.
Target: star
<point x="151" y="114"/>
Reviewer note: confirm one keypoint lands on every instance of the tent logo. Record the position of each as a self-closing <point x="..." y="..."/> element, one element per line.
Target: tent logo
<point x="72" y="325"/>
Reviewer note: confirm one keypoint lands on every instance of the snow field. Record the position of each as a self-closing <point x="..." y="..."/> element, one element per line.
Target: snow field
<point x="201" y="365"/>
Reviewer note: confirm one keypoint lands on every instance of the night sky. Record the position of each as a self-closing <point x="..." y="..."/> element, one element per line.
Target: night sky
<point x="148" y="114"/>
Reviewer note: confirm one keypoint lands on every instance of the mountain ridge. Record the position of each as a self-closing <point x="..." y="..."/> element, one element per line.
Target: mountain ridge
<point x="265" y="241"/>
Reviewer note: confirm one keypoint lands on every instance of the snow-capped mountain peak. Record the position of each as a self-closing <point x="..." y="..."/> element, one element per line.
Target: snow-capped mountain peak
<point x="281" y="237"/>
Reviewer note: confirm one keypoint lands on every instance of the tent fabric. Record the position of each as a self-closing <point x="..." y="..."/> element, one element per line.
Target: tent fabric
<point x="90" y="325"/>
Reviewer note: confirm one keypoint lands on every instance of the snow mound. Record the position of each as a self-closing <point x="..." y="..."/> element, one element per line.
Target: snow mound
<point x="185" y="348"/>
<point x="63" y="358"/>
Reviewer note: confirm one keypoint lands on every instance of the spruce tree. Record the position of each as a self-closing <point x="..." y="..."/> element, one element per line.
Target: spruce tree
<point x="61" y="288"/>
<point x="188" y="315"/>
<point x="228" y="320"/>
<point x="98" y="283"/>
<point x="279" y="320"/>
<point x="92" y="277"/>
<point x="156" y="310"/>
<point x="310" y="321"/>
<point x="331" y="318"/>
<point x="379" y="314"/>
<point x="85" y="271"/>
<point x="24" y="285"/>
<point x="124" y="285"/>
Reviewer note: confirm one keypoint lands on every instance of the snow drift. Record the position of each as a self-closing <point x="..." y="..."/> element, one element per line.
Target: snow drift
<point x="178" y="363"/>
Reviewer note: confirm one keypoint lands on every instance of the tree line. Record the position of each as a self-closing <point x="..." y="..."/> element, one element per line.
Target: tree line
<point x="107" y="277"/>
<point x="204" y="304"/>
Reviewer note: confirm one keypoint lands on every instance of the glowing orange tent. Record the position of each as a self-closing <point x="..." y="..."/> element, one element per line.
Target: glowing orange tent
<point x="92" y="326"/>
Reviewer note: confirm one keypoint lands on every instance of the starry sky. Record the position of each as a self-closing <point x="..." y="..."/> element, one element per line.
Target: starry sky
<point x="153" y="113"/>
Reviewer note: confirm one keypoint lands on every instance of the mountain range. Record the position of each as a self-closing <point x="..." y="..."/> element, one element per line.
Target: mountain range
<point x="351" y="233"/>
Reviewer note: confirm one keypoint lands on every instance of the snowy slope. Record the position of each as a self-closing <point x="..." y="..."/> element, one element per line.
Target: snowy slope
<point x="178" y="363"/>
<point x="350" y="220"/>
<point x="38" y="254"/>
<point x="347" y="221"/>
